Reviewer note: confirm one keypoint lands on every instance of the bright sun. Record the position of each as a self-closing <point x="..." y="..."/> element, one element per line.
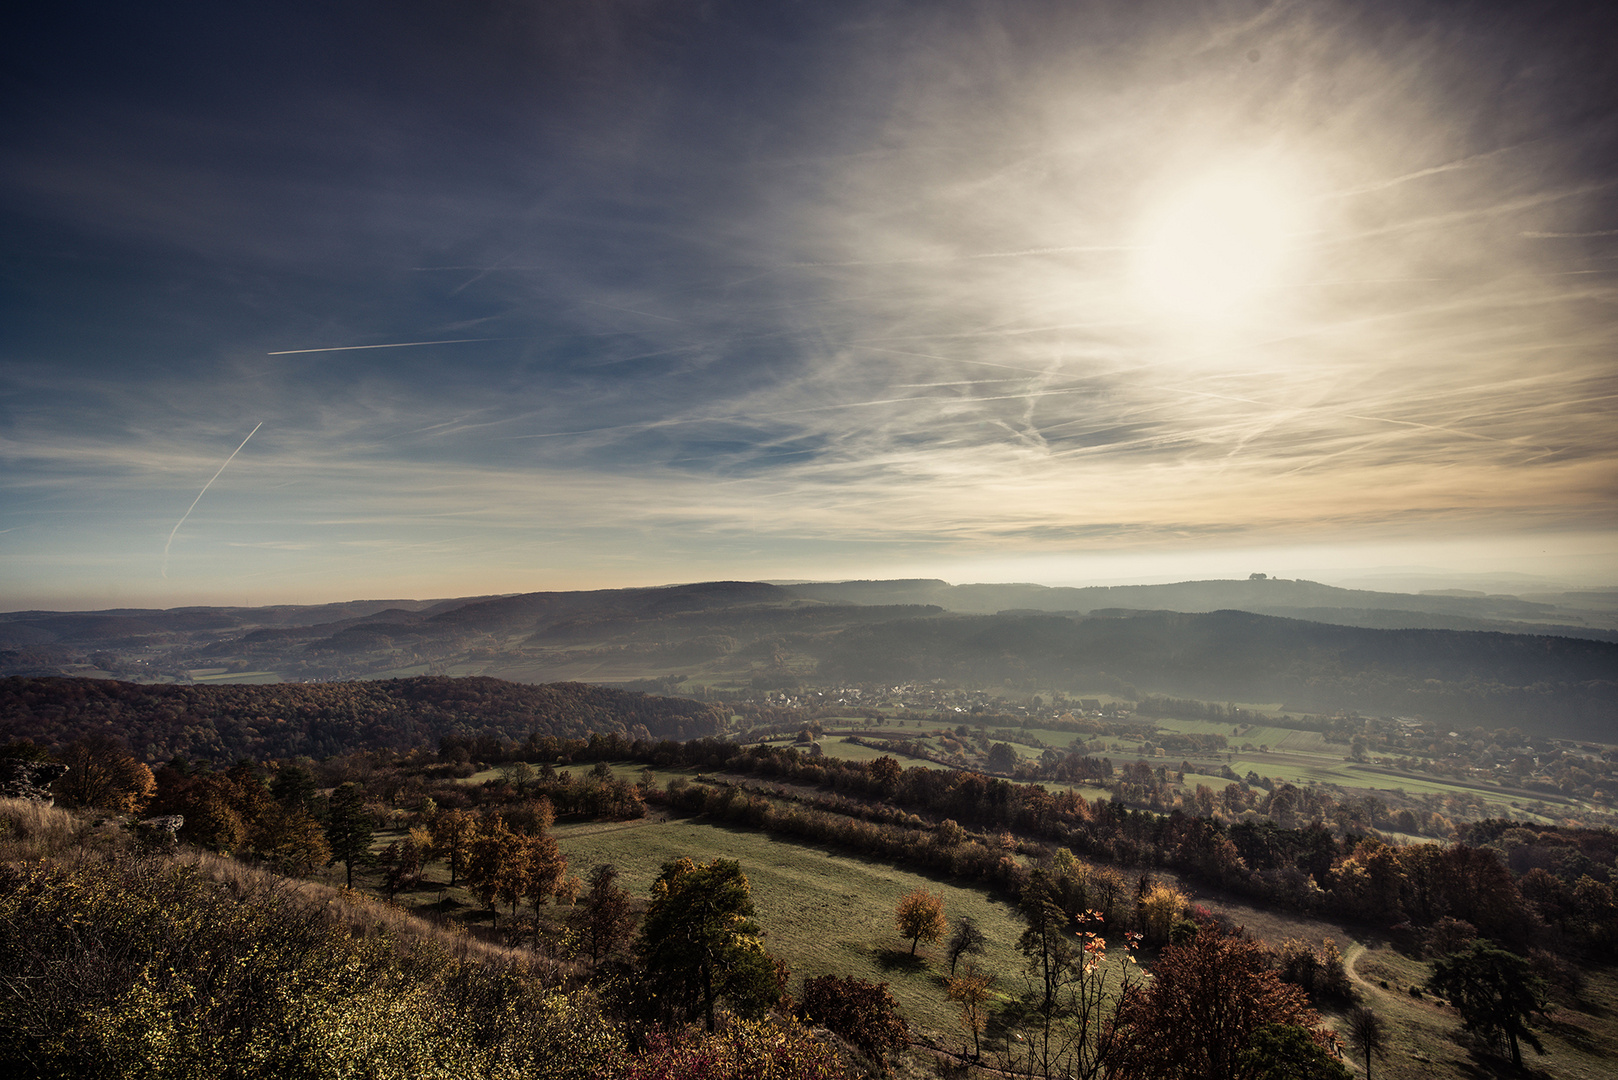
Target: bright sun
<point x="1216" y="245"/>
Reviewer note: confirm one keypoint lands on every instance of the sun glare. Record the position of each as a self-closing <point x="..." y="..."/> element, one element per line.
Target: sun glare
<point x="1216" y="245"/>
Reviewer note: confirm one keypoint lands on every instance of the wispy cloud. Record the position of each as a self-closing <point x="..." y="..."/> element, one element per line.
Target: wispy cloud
<point x="883" y="296"/>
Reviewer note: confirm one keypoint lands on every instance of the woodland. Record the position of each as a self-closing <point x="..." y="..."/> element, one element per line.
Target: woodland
<point x="406" y="905"/>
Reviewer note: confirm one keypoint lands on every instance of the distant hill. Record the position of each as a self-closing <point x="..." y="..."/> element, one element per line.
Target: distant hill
<point x="1585" y="614"/>
<point x="1463" y="659"/>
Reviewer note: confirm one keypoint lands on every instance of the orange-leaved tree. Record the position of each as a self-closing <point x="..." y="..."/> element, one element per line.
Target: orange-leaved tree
<point x="1208" y="998"/>
<point x="919" y="916"/>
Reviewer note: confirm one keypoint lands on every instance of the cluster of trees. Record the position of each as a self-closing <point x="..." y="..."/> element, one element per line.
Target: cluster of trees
<point x="1506" y="880"/>
<point x="1218" y="1004"/>
<point x="223" y="723"/>
<point x="1310" y="867"/>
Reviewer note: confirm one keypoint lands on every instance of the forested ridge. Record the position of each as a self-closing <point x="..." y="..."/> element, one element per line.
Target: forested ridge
<point x="1561" y="684"/>
<point x="226" y="722"/>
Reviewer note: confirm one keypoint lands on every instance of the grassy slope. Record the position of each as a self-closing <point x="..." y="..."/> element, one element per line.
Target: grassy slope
<point x="823" y="911"/>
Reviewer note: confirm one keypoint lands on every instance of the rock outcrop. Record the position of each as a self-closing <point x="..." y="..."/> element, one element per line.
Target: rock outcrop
<point x="20" y="779"/>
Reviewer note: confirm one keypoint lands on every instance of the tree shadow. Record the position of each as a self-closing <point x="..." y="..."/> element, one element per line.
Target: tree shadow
<point x="1009" y="1016"/>
<point x="901" y="961"/>
<point x="1486" y="1062"/>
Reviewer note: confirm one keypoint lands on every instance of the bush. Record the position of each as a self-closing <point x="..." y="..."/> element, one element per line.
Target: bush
<point x="146" y="967"/>
<point x="863" y="1013"/>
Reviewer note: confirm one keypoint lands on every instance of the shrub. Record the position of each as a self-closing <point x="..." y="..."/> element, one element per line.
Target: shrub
<point x="863" y="1013"/>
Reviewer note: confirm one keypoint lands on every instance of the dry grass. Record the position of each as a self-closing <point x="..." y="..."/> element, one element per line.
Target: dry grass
<point x="30" y="829"/>
<point x="365" y="916"/>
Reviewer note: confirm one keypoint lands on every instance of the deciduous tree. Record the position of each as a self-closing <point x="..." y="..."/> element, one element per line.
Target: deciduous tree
<point x="605" y="919"/>
<point x="452" y="831"/>
<point x="886" y="771"/>
<point x="496" y="865"/>
<point x="102" y="773"/>
<point x="291" y="840"/>
<point x="965" y="939"/>
<point x="1366" y="1031"/>
<point x="919" y="916"/>
<point x="1287" y="1052"/>
<point x="863" y="1013"/>
<point x="699" y="943"/>
<point x="1208" y="999"/>
<point x="973" y="989"/>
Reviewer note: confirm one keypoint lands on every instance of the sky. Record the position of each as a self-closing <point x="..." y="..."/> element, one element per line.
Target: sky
<point x="309" y="302"/>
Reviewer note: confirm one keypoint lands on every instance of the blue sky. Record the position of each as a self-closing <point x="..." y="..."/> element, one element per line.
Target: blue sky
<point x="1059" y="292"/>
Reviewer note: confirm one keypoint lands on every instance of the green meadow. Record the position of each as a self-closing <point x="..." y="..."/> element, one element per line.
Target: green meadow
<point x="823" y="911"/>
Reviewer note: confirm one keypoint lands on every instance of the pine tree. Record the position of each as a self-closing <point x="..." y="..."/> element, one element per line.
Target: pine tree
<point x="348" y="828"/>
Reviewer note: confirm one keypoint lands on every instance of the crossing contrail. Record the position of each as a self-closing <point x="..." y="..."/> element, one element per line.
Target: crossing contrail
<point x="393" y="345"/>
<point x="200" y="494"/>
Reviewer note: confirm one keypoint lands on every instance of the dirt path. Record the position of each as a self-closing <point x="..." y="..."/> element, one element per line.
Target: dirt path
<point x="1350" y="965"/>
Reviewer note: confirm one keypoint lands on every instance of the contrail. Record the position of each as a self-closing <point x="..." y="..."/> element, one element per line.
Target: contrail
<point x="394" y="345"/>
<point x="200" y="494"/>
<point x="1075" y="248"/>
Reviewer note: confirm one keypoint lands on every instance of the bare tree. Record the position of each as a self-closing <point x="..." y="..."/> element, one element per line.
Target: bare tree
<point x="965" y="939"/>
<point x="1366" y="1031"/>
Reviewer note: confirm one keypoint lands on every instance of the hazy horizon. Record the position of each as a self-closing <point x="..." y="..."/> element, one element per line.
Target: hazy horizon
<point x="303" y="305"/>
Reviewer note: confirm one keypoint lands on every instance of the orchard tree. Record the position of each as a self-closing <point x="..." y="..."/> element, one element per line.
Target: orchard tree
<point x="972" y="989"/>
<point x="699" y="943"/>
<point x="919" y="916"/>
<point x="965" y="939"/>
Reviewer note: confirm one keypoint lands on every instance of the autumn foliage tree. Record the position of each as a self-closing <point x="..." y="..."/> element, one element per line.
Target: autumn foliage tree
<point x="973" y="990"/>
<point x="103" y="774"/>
<point x="1207" y="1001"/>
<point x="452" y="832"/>
<point x="494" y="865"/>
<point x="919" y="916"/>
